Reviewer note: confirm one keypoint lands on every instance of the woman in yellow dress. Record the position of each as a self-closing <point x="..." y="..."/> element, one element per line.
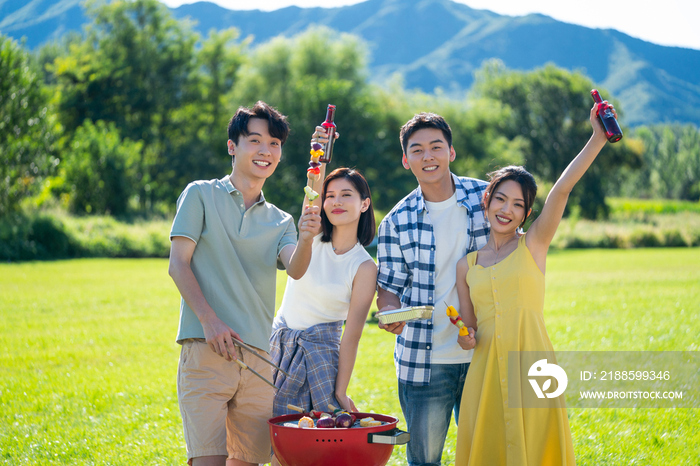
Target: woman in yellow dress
<point x="501" y="297"/>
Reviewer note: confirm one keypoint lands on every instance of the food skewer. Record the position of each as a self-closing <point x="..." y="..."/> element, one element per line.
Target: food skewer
<point x="315" y="172"/>
<point x="312" y="412"/>
<point x="339" y="419"/>
<point x="307" y="419"/>
<point x="296" y="408"/>
<point x="456" y="320"/>
<point x="335" y="409"/>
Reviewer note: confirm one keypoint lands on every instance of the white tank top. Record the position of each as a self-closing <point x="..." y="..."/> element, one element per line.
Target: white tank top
<point x="323" y="293"/>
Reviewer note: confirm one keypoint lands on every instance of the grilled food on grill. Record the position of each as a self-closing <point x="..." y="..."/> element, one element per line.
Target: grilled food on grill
<point x="306" y="422"/>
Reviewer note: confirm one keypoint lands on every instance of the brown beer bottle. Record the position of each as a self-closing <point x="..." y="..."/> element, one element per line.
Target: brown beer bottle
<point x="607" y="118"/>
<point x="330" y="132"/>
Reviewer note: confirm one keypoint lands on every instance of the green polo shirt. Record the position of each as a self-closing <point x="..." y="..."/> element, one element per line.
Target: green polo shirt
<point x="235" y="259"/>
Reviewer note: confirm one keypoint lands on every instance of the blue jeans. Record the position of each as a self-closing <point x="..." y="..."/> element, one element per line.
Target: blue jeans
<point x="427" y="410"/>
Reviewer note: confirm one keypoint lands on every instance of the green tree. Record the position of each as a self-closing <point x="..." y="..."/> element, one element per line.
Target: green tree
<point x="26" y="132"/>
<point x="301" y="76"/>
<point x="219" y="58"/>
<point x="671" y="162"/>
<point x="134" y="68"/>
<point x="479" y="138"/>
<point x="98" y="170"/>
<point x="198" y="128"/>
<point x="47" y="54"/>
<point x="478" y="134"/>
<point x="550" y="111"/>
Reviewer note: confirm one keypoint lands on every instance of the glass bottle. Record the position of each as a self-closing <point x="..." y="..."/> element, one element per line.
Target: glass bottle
<point x="330" y="133"/>
<point x="607" y="118"/>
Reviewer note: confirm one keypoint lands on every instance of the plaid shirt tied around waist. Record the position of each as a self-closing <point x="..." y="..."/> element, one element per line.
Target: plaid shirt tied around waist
<point x="406" y="260"/>
<point x="311" y="358"/>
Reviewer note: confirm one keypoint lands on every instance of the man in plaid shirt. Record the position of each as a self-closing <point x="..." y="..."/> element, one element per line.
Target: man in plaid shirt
<point x="420" y="241"/>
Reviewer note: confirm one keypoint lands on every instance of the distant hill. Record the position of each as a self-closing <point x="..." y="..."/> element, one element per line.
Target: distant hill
<point x="440" y="43"/>
<point x="40" y="20"/>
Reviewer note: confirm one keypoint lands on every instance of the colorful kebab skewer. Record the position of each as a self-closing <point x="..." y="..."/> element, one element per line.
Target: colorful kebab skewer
<point x="320" y="156"/>
<point x="313" y="173"/>
<point x="457" y="320"/>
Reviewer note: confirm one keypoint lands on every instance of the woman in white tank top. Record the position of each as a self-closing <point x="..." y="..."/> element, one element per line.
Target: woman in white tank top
<point x="338" y="286"/>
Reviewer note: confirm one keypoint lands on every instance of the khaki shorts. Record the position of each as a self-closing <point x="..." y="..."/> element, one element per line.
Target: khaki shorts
<point x="224" y="407"/>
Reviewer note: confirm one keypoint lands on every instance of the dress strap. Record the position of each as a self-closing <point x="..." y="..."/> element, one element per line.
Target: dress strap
<point x="471" y="259"/>
<point x="521" y="240"/>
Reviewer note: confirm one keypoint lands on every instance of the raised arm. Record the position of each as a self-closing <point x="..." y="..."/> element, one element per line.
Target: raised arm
<point x="542" y="230"/>
<point x="363" y="287"/>
<point x="296" y="258"/>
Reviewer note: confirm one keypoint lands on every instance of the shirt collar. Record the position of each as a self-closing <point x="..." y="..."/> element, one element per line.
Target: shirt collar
<point x="230" y="188"/>
<point x="460" y="190"/>
<point x="462" y="194"/>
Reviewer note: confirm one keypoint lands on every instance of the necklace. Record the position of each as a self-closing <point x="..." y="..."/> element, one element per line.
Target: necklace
<point x="341" y="251"/>
<point x="498" y="253"/>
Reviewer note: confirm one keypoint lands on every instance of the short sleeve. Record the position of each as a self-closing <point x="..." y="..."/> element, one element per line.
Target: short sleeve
<point x="289" y="237"/>
<point x="392" y="273"/>
<point x="189" y="218"/>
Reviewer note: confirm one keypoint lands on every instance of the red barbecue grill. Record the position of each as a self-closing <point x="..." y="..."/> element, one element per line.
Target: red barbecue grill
<point x="366" y="446"/>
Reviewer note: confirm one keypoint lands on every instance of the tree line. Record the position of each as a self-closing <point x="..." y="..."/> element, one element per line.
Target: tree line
<point x="117" y="120"/>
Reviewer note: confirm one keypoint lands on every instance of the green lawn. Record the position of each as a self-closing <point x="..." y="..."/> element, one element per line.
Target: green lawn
<point x="88" y="361"/>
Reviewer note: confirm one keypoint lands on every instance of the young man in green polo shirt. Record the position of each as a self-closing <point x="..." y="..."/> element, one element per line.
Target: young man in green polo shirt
<point x="227" y="243"/>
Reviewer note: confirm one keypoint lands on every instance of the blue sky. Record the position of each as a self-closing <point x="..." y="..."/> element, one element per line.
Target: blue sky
<point x="667" y="22"/>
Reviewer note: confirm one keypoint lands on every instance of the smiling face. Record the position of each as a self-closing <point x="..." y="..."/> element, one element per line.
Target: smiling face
<point x="256" y="155"/>
<point x="506" y="207"/>
<point x="343" y="204"/>
<point x="428" y="156"/>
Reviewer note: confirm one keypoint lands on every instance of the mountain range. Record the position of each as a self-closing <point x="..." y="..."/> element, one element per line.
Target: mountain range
<point x="440" y="43"/>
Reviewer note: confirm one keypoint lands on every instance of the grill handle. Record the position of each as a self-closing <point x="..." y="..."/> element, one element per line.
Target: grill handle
<point x="390" y="437"/>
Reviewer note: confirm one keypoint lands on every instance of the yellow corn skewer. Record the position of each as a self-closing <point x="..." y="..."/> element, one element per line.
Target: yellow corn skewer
<point x="457" y="320"/>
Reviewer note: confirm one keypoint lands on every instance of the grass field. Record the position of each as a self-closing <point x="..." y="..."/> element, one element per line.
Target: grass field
<point x="88" y="358"/>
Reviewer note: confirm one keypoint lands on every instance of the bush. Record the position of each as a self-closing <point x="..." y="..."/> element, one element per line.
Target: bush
<point x="629" y="229"/>
<point x="674" y="239"/>
<point x="694" y="238"/>
<point x="41" y="236"/>
<point x="55" y="235"/>
<point x="103" y="236"/>
<point x="31" y="237"/>
<point x="614" y="240"/>
<point x="645" y="239"/>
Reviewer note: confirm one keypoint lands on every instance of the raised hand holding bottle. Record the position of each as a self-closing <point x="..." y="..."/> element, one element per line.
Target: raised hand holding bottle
<point x="607" y="118"/>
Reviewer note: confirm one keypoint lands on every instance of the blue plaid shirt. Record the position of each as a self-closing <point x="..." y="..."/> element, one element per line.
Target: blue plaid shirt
<point x="406" y="256"/>
<point x="310" y="357"/>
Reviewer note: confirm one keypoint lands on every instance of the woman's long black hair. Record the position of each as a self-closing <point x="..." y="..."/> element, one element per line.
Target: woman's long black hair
<point x="366" y="227"/>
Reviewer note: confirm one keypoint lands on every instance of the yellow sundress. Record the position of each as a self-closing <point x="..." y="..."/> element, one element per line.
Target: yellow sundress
<point x="508" y="300"/>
